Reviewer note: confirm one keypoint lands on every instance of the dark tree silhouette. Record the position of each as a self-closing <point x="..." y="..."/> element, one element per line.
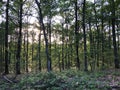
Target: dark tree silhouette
<point x="19" y="39"/>
<point x="76" y="36"/>
<point x="116" y="61"/>
<point x="6" y="38"/>
<point x="45" y="36"/>
<point x="84" y="32"/>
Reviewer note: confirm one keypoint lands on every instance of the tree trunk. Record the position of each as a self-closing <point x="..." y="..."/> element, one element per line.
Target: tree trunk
<point x="84" y="31"/>
<point x="24" y="51"/>
<point x="63" y="48"/>
<point x="116" y="61"/>
<point x="45" y="36"/>
<point x="76" y="37"/>
<point x="49" y="26"/>
<point x="32" y="50"/>
<point x="91" y="45"/>
<point x="109" y="35"/>
<point x="98" y="37"/>
<point x="39" y="52"/>
<point x="103" y="35"/>
<point x="18" y="57"/>
<point x="6" y="38"/>
<point x="27" y="53"/>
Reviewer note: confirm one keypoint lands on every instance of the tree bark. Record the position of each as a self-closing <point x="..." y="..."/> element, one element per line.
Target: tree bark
<point x="84" y="31"/>
<point x="45" y="36"/>
<point x="98" y="37"/>
<point x="116" y="61"/>
<point x="18" y="57"/>
<point x="63" y="64"/>
<point x="76" y="37"/>
<point x="103" y="35"/>
<point x="39" y="52"/>
<point x="27" y="47"/>
<point x="6" y="38"/>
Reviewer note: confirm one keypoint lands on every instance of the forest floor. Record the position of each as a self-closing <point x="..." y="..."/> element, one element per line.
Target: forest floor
<point x="65" y="80"/>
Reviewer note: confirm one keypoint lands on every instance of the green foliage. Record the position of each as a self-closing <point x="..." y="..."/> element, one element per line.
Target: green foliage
<point x="65" y="80"/>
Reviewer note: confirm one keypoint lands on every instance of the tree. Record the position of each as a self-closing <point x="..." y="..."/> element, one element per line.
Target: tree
<point x="113" y="19"/>
<point x="27" y="52"/>
<point x="39" y="51"/>
<point x="84" y="32"/>
<point x="97" y="47"/>
<point x="102" y="31"/>
<point x="76" y="36"/>
<point x="18" y="57"/>
<point x="6" y="38"/>
<point x="45" y="35"/>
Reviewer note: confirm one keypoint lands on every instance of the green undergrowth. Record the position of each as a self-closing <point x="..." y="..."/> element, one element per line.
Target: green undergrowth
<point x="65" y="80"/>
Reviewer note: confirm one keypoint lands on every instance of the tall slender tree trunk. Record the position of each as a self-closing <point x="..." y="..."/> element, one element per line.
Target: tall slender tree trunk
<point x="98" y="35"/>
<point x="66" y="53"/>
<point x="27" y="52"/>
<point x="109" y="40"/>
<point x="117" y="27"/>
<point x="103" y="35"/>
<point x="63" y="48"/>
<point x="84" y="31"/>
<point x="18" y="57"/>
<point x="24" y="51"/>
<point x="2" y="57"/>
<point x="76" y="36"/>
<point x="45" y="36"/>
<point x="32" y="49"/>
<point x="1" y="60"/>
<point x="91" y="45"/>
<point x="71" y="50"/>
<point x="49" y="26"/>
<point x="59" y="62"/>
<point x="103" y="61"/>
<point x="116" y="60"/>
<point x="118" y="44"/>
<point x="69" y="54"/>
<point x="109" y="34"/>
<point x="6" y="38"/>
<point x="39" y="51"/>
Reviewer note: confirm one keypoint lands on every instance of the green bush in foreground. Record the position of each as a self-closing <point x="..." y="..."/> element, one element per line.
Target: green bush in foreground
<point x="66" y="80"/>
